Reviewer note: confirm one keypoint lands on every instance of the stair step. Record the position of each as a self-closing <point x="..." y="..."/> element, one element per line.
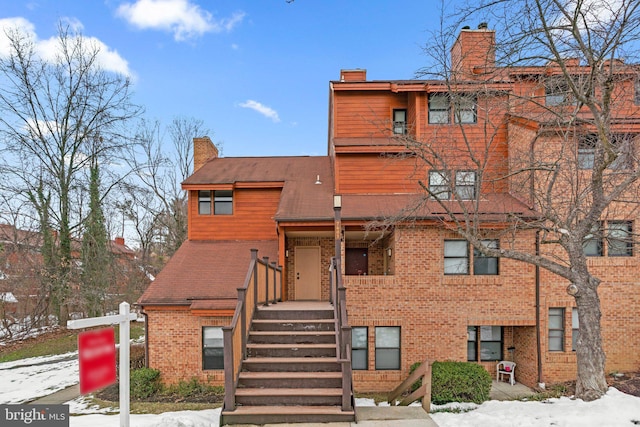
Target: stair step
<point x="291" y="350"/>
<point x="286" y="414"/>
<point x="290" y="379"/>
<point x="291" y="364"/>
<point x="298" y="337"/>
<point x="327" y="313"/>
<point x="289" y="396"/>
<point x="293" y="325"/>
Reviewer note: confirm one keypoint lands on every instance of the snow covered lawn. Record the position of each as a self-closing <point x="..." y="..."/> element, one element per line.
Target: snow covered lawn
<point x="27" y="379"/>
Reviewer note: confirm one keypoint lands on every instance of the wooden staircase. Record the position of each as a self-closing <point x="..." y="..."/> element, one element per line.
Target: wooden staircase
<point x="291" y="372"/>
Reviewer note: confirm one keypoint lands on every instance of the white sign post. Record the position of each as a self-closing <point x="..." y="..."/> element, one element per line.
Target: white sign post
<point x="123" y="319"/>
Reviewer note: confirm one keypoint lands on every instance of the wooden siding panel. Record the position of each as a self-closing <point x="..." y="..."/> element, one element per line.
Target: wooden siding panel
<point x="252" y="219"/>
<point x="372" y="173"/>
<point x="365" y="114"/>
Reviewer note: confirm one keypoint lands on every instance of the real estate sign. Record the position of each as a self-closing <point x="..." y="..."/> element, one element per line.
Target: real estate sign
<point x="97" y="356"/>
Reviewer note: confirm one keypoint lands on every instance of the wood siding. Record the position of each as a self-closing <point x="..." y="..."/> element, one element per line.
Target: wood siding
<point x="252" y="219"/>
<point x="373" y="173"/>
<point x="365" y="114"/>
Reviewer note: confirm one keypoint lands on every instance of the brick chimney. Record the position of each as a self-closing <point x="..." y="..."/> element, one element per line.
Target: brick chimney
<point x="119" y="241"/>
<point x="358" y="75"/>
<point x="203" y="150"/>
<point x="474" y="52"/>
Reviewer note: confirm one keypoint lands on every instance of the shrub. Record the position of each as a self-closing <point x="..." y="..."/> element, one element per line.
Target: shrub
<point x="145" y="382"/>
<point x="193" y="387"/>
<point x="459" y="382"/>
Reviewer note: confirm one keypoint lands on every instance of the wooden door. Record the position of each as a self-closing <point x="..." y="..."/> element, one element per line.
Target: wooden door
<point x="356" y="261"/>
<point x="307" y="272"/>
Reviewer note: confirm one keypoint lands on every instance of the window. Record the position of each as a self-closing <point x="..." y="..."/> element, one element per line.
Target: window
<point x="592" y="244"/>
<point x="456" y="257"/>
<point x="387" y="347"/>
<point x="575" y="328"/>
<point x="623" y="146"/>
<point x="438" y="108"/>
<point x="472" y="343"/>
<point x="359" y="348"/>
<point x="223" y="202"/>
<point x="619" y="241"/>
<point x="212" y="348"/>
<point x="466" y="185"/>
<point x="204" y="202"/>
<point x="636" y="97"/>
<point x="465" y="109"/>
<point x="439" y="185"/>
<point x="556" y="329"/>
<point x="399" y="122"/>
<point x="556" y="92"/>
<point x="490" y="343"/>
<point x="485" y="265"/>
<point x="587" y="151"/>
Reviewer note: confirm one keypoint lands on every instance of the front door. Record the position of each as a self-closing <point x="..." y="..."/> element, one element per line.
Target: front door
<point x="307" y="272"/>
<point x="356" y="262"/>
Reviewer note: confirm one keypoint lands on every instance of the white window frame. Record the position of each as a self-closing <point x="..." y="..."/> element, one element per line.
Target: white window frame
<point x="212" y="342"/>
<point x="439" y="108"/>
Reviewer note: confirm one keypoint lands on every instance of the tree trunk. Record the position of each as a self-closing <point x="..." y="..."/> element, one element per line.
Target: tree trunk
<point x="591" y="383"/>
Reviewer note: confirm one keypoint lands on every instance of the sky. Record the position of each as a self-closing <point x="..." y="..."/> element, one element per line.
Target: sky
<point x="27" y="379"/>
<point x="256" y="72"/>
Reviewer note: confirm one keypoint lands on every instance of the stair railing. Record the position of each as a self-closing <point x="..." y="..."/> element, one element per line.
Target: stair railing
<point x="422" y="372"/>
<point x="254" y="291"/>
<point x="343" y="334"/>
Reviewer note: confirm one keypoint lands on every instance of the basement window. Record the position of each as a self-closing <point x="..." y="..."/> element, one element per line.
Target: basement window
<point x="212" y="348"/>
<point x="387" y="347"/>
<point x="359" y="348"/>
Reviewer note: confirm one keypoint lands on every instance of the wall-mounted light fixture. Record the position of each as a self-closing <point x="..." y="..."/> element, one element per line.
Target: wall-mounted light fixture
<point x="389" y="251"/>
<point x="318" y="182"/>
<point x="337" y="201"/>
<point x="286" y="253"/>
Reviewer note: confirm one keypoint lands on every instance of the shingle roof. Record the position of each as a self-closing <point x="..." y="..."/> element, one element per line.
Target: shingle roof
<point x="205" y="270"/>
<point x="301" y="198"/>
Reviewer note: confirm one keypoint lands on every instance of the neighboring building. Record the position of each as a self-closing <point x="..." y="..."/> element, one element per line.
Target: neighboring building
<point x="21" y="271"/>
<point x="415" y="291"/>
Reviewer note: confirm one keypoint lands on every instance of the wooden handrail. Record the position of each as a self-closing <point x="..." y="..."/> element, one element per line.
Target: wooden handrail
<point x="422" y="372"/>
<point x="235" y="335"/>
<point x="343" y="332"/>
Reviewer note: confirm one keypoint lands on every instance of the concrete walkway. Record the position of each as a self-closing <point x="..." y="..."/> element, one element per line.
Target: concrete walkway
<point x="501" y="390"/>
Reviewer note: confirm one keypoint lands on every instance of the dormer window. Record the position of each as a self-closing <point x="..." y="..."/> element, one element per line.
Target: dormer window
<point x="399" y="122"/>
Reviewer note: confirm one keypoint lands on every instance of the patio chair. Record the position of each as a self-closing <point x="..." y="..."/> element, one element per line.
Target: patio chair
<point x="505" y="367"/>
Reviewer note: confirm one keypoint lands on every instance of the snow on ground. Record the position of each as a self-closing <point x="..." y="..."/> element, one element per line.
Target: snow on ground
<point x="27" y="379"/>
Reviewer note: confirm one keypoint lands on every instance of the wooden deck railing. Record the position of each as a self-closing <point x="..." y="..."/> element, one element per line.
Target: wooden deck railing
<point x="343" y="332"/>
<point x="424" y="391"/>
<point x="261" y="277"/>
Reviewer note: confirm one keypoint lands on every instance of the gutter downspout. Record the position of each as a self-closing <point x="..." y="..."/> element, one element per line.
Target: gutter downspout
<point x="146" y="339"/>
<point x="538" y="343"/>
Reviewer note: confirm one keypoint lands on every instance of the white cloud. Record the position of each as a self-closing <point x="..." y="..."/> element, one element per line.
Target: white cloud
<point x="184" y="19"/>
<point x="108" y="59"/>
<point x="262" y="109"/>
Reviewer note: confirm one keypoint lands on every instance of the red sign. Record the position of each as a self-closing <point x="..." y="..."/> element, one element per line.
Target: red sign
<point x="97" y="354"/>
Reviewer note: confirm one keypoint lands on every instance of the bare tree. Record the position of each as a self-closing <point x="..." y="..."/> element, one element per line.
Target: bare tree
<point x="50" y="112"/>
<point x="556" y="81"/>
<point x="161" y="166"/>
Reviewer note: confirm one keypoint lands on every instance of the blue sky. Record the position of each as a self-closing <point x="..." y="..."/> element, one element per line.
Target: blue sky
<point x="256" y="72"/>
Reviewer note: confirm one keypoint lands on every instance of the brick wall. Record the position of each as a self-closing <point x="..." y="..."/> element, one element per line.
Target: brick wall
<point x="434" y="310"/>
<point x="175" y="345"/>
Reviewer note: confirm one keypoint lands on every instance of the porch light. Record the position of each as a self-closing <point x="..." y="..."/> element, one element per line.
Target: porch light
<point x="389" y="252"/>
<point x="318" y="182"/>
<point x="337" y="201"/>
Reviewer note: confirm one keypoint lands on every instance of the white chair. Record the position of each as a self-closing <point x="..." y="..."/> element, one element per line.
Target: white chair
<point x="506" y="368"/>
